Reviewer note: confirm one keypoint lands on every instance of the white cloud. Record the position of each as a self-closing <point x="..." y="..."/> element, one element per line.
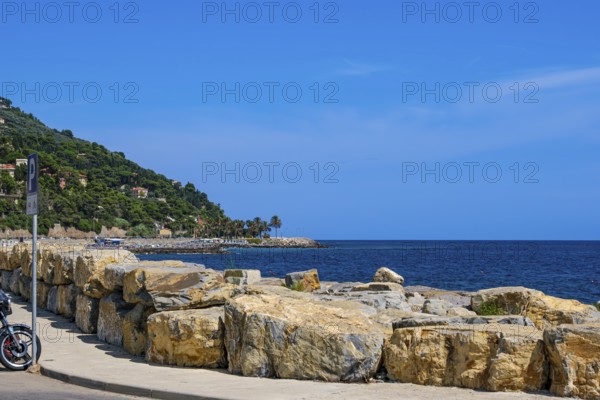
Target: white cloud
<point x="567" y="78"/>
<point x="357" y="69"/>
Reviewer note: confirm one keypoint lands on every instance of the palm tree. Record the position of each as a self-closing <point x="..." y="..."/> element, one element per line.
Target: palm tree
<point x="238" y="228"/>
<point x="264" y="227"/>
<point x="275" y="223"/>
<point x="228" y="226"/>
<point x="248" y="224"/>
<point x="256" y="227"/>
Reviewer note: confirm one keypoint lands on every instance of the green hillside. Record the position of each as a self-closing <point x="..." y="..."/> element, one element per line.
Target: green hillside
<point x="86" y="186"/>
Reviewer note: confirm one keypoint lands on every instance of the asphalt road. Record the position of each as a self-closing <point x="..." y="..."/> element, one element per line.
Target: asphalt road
<point x="26" y="386"/>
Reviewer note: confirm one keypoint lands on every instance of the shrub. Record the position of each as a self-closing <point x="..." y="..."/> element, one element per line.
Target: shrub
<point x="298" y="287"/>
<point x="490" y="308"/>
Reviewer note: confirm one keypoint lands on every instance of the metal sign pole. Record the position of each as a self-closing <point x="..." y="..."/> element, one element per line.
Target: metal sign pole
<point x="32" y="209"/>
<point x="34" y="290"/>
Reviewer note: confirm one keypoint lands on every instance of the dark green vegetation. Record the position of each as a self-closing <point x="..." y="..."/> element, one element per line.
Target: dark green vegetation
<point x="86" y="186"/>
<point x="490" y="308"/>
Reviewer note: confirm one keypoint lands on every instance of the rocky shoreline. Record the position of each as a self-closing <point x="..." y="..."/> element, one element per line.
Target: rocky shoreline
<point x="213" y="246"/>
<point x="173" y="313"/>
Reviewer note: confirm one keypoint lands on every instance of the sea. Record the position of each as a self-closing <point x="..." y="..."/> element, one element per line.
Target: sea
<point x="566" y="269"/>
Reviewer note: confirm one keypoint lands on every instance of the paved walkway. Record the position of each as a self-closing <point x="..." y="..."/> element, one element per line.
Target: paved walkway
<point x="83" y="360"/>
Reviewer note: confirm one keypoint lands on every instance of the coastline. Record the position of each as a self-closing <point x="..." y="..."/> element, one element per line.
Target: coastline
<point x="214" y="246"/>
<point x="496" y="339"/>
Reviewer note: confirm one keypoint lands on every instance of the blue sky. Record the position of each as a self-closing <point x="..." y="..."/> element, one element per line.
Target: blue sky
<point x="499" y="103"/>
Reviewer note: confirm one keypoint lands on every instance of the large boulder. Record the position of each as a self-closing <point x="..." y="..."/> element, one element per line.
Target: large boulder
<point x="86" y="314"/>
<point x="242" y="276"/>
<point x="545" y="311"/>
<point x="25" y="286"/>
<point x="419" y="320"/>
<point x="112" y="312"/>
<point x="114" y="274"/>
<point x="24" y="289"/>
<point x="135" y="329"/>
<point x="454" y="298"/>
<point x="5" y="277"/>
<point x="14" y="281"/>
<point x="90" y="266"/>
<point x="27" y="264"/>
<point x="168" y="288"/>
<point x="497" y="358"/>
<point x="460" y="312"/>
<point x="67" y="300"/>
<point x="52" y="302"/>
<point x="436" y="307"/>
<point x="42" y="294"/>
<point x="19" y="256"/>
<point x="300" y="337"/>
<point x="382" y="296"/>
<point x="416" y="301"/>
<point x="5" y="251"/>
<point x="574" y="358"/>
<point x="304" y="281"/>
<point x="58" y="264"/>
<point x="378" y="287"/>
<point x="384" y="274"/>
<point x="188" y="338"/>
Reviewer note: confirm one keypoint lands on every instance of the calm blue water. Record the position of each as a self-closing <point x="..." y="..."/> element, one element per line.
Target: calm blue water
<point x="563" y="269"/>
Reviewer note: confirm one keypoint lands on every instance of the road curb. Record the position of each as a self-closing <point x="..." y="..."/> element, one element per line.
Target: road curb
<point x="128" y="390"/>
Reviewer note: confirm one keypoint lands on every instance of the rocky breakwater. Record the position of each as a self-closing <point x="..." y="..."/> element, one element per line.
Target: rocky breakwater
<point x="503" y="339"/>
<point x="301" y="243"/>
<point x="213" y="246"/>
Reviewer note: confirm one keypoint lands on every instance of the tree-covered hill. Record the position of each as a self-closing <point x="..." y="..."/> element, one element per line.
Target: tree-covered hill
<point x="86" y="186"/>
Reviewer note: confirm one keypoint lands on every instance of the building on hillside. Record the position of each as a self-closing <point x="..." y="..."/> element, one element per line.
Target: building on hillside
<point x="140" y="192"/>
<point x="8" y="168"/>
<point x="83" y="180"/>
<point x="20" y="161"/>
<point x="63" y="183"/>
<point x="2" y="121"/>
<point x="46" y="171"/>
<point x="165" y="233"/>
<point x="162" y="199"/>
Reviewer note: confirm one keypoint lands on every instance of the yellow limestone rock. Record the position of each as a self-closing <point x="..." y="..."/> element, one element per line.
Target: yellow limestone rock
<point x="188" y="338"/>
<point x="385" y="274"/>
<point x="90" y="266"/>
<point x="5" y="251"/>
<point x="5" y="276"/>
<point x="67" y="300"/>
<point x="86" y="315"/>
<point x="545" y="311"/>
<point x="14" y="281"/>
<point x="135" y="329"/>
<point x="300" y="337"/>
<point x="57" y="264"/>
<point x="42" y="294"/>
<point x="304" y="281"/>
<point x="19" y="257"/>
<point x="489" y="357"/>
<point x="574" y="356"/>
<point x="175" y="287"/>
<point x="111" y="317"/>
